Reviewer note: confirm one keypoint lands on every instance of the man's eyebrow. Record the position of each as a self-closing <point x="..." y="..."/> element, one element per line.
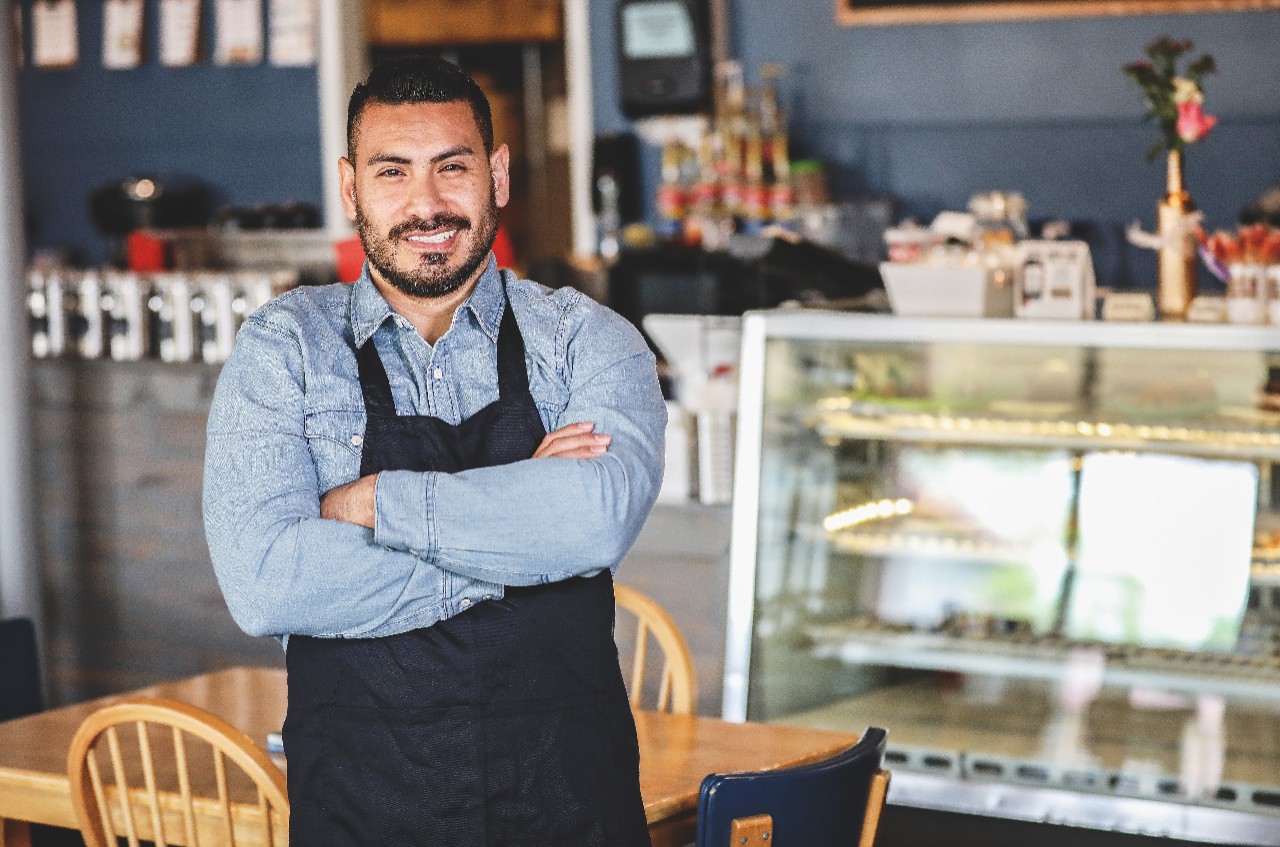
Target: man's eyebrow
<point x="387" y="159"/>
<point x="459" y="150"/>
<point x="390" y="159"/>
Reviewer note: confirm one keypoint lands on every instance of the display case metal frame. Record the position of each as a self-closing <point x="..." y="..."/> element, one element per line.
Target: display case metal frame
<point x="962" y="784"/>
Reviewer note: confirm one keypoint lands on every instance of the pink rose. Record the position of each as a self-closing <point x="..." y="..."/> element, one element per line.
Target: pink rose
<point x="1193" y="123"/>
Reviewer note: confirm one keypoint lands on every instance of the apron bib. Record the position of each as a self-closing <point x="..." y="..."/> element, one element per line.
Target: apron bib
<point x="507" y="724"/>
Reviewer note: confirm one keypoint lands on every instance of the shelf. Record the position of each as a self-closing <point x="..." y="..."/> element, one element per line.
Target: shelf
<point x="948" y="546"/>
<point x="880" y="423"/>
<point x="1251" y="678"/>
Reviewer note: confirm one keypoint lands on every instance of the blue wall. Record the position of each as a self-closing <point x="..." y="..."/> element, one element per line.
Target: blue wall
<point x="250" y="133"/>
<point x="931" y="114"/>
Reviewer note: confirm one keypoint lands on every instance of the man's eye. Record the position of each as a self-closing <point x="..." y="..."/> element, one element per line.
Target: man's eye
<point x="390" y="172"/>
<point x="452" y="166"/>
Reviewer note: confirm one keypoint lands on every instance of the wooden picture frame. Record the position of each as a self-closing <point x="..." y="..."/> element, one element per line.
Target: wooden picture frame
<point x="894" y="12"/>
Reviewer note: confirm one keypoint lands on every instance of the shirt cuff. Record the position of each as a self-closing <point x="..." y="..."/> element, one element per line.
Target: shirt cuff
<point x="404" y="512"/>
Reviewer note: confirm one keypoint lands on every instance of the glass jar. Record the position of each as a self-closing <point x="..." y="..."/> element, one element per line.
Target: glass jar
<point x="1246" y="294"/>
<point x="1273" y="293"/>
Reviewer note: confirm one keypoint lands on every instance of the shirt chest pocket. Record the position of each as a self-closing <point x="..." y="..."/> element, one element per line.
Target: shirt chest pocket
<point x="550" y="395"/>
<point x="336" y="437"/>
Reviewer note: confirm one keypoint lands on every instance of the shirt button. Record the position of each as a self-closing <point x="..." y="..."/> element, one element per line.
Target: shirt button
<point x="488" y="596"/>
<point x="357" y="440"/>
<point x="466" y="602"/>
<point x="439" y="374"/>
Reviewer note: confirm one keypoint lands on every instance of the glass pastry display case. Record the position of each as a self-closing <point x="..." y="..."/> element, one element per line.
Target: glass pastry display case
<point x="1044" y="555"/>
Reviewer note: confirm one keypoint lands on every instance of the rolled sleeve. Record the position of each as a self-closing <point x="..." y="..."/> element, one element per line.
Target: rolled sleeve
<point x="404" y="512"/>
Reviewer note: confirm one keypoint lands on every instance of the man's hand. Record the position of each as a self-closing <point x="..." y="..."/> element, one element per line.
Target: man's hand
<point x="575" y="441"/>
<point x="352" y="502"/>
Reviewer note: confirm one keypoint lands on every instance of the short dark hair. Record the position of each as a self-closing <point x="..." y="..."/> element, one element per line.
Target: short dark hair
<point x="419" y="79"/>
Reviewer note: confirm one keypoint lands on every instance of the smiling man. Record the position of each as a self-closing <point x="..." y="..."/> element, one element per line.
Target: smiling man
<point x="422" y="484"/>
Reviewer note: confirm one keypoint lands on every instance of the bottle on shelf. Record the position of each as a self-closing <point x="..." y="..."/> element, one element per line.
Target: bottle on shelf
<point x="755" y="194"/>
<point x="776" y="152"/>
<point x="671" y="194"/>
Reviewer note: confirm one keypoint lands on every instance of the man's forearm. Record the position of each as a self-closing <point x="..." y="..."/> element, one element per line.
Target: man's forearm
<point x="354" y="502"/>
<point x="520" y="524"/>
<point x="311" y="576"/>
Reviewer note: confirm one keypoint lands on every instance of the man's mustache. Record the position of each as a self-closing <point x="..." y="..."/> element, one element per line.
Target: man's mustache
<point x="439" y="221"/>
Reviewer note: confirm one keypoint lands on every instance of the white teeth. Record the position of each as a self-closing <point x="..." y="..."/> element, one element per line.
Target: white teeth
<point x="434" y="239"/>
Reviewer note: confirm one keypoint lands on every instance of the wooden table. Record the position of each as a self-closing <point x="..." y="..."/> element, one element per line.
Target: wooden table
<point x="676" y="752"/>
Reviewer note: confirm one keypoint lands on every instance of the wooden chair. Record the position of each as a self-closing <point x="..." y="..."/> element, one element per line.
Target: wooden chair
<point x="832" y="803"/>
<point x="677" y="686"/>
<point x="158" y="786"/>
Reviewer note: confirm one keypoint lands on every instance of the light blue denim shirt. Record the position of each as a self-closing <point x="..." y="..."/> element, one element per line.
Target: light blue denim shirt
<point x="288" y="421"/>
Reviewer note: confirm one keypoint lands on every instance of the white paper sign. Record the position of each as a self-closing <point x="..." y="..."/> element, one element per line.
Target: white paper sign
<point x="179" y="32"/>
<point x="239" y="32"/>
<point x="293" y="33"/>
<point x="53" y="33"/>
<point x="121" y="33"/>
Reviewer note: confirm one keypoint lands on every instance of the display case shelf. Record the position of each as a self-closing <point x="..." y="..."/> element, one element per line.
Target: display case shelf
<point x="1253" y="678"/>
<point x="1221" y="440"/>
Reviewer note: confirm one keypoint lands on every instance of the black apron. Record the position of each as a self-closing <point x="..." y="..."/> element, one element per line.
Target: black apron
<point x="507" y="724"/>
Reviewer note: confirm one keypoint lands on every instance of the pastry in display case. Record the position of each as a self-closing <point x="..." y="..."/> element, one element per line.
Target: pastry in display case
<point x="1044" y="555"/>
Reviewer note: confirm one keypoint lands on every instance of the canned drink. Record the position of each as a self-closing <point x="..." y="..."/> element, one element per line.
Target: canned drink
<point x="224" y="322"/>
<point x="212" y="317"/>
<point x="127" y="326"/>
<point x="172" y="321"/>
<point x="90" y="340"/>
<point x="38" y="313"/>
<point x="56" y="310"/>
<point x="257" y="290"/>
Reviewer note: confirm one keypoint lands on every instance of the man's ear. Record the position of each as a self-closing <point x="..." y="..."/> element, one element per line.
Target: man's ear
<point x="500" y="167"/>
<point x="347" y="186"/>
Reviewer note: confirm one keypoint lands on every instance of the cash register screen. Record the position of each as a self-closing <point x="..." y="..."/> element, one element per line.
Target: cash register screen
<point x="1164" y="549"/>
<point x="657" y="30"/>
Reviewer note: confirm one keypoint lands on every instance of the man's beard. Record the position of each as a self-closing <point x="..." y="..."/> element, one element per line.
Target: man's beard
<point x="430" y="278"/>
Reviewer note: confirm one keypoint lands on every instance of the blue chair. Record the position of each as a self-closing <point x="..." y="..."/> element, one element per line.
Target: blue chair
<point x="832" y="803"/>
<point x="20" y="692"/>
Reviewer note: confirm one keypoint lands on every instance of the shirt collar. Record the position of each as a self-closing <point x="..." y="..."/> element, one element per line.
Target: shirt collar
<point x="369" y="309"/>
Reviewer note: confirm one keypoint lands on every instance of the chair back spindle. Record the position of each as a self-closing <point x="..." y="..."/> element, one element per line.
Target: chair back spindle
<point x="677" y="690"/>
<point x="156" y="788"/>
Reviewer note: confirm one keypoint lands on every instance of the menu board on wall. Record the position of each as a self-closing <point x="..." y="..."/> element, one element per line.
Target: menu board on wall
<point x="239" y="31"/>
<point x="293" y="33"/>
<point x="54" y="37"/>
<point x="179" y="32"/>
<point x="121" y="33"/>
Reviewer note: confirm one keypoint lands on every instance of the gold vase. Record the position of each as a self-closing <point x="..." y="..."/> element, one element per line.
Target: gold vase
<point x="1178" y="264"/>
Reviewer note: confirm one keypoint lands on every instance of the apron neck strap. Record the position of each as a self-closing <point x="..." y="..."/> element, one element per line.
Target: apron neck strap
<point x="513" y="378"/>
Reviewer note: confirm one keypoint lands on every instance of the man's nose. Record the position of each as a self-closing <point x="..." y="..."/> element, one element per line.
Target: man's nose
<point x="424" y="198"/>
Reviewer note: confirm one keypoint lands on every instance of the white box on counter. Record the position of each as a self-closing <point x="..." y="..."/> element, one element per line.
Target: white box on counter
<point x="948" y="291"/>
